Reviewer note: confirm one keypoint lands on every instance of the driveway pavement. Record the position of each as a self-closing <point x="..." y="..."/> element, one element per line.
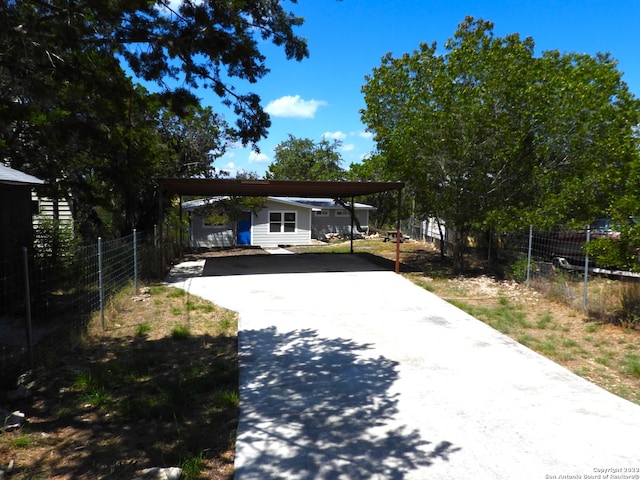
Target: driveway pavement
<point x="349" y="371"/>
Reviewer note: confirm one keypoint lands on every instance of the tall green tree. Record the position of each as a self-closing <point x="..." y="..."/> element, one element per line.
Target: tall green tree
<point x="585" y="138"/>
<point x="205" y="44"/>
<point x="385" y="203"/>
<point x="304" y="159"/>
<point x="70" y="114"/>
<point x="487" y="133"/>
<point x="193" y="141"/>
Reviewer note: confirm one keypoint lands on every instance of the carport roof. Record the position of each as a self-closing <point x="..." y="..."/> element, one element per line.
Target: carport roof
<point x="280" y="188"/>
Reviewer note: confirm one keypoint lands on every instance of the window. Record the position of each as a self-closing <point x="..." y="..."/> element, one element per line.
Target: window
<point x="342" y="213"/>
<point x="321" y="213"/>
<point x="282" y="222"/>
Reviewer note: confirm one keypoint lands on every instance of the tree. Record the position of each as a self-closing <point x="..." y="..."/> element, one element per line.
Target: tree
<point x="197" y="44"/>
<point x="69" y="112"/>
<point x="304" y="159"/>
<point x="194" y="140"/>
<point x="585" y="141"/>
<point x="385" y="203"/>
<point x="487" y="134"/>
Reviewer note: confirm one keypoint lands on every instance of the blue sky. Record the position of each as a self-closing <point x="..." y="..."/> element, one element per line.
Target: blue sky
<point x="321" y="96"/>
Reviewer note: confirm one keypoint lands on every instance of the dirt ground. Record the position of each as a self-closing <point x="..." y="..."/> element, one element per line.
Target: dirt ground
<point x="156" y="388"/>
<point x="114" y="402"/>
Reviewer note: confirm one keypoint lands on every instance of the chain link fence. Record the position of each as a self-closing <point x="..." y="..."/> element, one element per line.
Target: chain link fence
<point x="47" y="294"/>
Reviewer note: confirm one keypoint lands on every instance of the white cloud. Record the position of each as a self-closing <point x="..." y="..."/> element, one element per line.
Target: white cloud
<point x="293" y="107"/>
<point x="340" y="136"/>
<point x="348" y="147"/>
<point x="255" y="157"/>
<point x="230" y="166"/>
<point x="365" y="135"/>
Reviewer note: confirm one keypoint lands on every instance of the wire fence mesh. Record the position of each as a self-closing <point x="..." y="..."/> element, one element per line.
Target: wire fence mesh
<point x="536" y="255"/>
<point x="48" y="293"/>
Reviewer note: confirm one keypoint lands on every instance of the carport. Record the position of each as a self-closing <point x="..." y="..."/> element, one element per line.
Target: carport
<point x="284" y="188"/>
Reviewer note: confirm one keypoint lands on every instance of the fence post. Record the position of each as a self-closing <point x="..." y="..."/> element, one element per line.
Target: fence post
<point x="27" y="292"/>
<point x="135" y="262"/>
<point x="529" y="256"/>
<point x="586" y="272"/>
<point x="100" y="282"/>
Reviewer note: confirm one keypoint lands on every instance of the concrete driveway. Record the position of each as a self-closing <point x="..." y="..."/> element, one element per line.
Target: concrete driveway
<point x="349" y="371"/>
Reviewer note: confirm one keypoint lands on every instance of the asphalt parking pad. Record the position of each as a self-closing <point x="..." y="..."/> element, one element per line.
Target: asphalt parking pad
<point x="298" y="263"/>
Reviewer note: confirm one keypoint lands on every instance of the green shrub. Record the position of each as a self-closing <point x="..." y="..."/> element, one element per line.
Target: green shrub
<point x="629" y="313"/>
<point x="632" y="364"/>
<point x="519" y="270"/>
<point x="619" y="252"/>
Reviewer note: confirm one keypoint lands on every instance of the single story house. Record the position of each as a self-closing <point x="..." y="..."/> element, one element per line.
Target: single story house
<point x="282" y="221"/>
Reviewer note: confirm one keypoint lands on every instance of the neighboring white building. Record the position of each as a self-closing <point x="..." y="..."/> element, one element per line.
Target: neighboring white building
<point x="330" y="217"/>
<point x="282" y="221"/>
<point x="46" y="207"/>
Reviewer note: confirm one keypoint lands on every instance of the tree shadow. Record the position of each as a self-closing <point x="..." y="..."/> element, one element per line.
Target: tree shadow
<point x="125" y="404"/>
<point x="315" y="407"/>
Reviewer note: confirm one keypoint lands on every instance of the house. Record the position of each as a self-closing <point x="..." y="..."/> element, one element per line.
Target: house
<point x="16" y="212"/>
<point x="281" y="221"/>
<point x="51" y="208"/>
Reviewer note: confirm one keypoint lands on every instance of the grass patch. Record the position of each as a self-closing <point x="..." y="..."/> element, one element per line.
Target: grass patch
<point x="176" y="293"/>
<point x="120" y="391"/>
<point x="549" y="347"/>
<point x="180" y="332"/>
<point x="142" y="329"/>
<point x="505" y="317"/>
<point x="192" y="466"/>
<point x="22" y="442"/>
<point x="592" y="327"/>
<point x="157" y="289"/>
<point x="631" y="364"/>
<point x="544" y="321"/>
<point x="569" y="343"/>
<point x="527" y="340"/>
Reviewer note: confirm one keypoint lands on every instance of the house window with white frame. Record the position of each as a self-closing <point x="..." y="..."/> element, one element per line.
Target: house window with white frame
<point x="342" y="213"/>
<point x="321" y="213"/>
<point x="282" y="222"/>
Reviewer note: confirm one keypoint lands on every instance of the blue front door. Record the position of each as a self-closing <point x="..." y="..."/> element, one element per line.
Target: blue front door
<point x="244" y="229"/>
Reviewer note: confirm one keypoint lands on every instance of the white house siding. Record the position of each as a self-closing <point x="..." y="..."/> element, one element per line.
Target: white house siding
<point x="209" y="236"/>
<point x="46" y="208"/>
<point x="336" y="223"/>
<point x="261" y="236"/>
<point x="431" y="230"/>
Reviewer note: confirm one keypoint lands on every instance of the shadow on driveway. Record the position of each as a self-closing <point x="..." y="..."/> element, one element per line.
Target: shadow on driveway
<point x="297" y="263"/>
<point x="328" y="405"/>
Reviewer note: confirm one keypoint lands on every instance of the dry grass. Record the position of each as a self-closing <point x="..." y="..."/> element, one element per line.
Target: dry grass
<point x="157" y="387"/>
